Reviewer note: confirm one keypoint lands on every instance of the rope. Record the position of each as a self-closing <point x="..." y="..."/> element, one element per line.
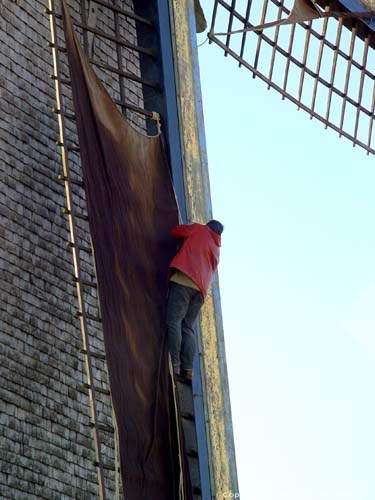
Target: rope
<point x="200" y="45"/>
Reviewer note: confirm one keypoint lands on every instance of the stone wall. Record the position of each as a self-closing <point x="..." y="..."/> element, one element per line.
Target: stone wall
<point x="46" y="446"/>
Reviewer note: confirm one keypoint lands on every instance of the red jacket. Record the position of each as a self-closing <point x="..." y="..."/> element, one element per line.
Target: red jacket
<point x="198" y="256"/>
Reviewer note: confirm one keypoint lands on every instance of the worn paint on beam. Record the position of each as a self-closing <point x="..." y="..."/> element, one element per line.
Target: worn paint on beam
<point x="198" y="200"/>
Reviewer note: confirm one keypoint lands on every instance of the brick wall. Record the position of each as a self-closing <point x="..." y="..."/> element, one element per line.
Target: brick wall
<point x="46" y="446"/>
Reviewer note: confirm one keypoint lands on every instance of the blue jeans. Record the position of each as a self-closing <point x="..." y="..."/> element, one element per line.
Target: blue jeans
<point x="183" y="306"/>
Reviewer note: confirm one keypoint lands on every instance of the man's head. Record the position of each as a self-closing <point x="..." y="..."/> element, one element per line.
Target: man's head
<point x="216" y="226"/>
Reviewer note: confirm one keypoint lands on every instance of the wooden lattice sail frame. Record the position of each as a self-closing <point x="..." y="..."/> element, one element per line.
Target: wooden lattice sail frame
<point x="326" y="66"/>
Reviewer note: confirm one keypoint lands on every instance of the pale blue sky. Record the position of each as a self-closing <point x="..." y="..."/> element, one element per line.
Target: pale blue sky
<point x="297" y="279"/>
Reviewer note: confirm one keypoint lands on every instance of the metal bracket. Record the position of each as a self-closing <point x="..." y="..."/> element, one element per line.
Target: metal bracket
<point x="156" y="117"/>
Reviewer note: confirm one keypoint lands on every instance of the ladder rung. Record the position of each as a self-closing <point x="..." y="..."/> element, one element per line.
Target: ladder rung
<point x="94" y="354"/>
<point x="84" y="282"/>
<point x="118" y="40"/>
<point x="126" y="74"/>
<point x="88" y="316"/>
<point x="192" y="453"/>
<point x="69" y="147"/>
<point x="197" y="490"/>
<point x="97" y="389"/>
<point x="102" y="427"/>
<point x="187" y="416"/>
<point x="105" y="466"/>
<point x="57" y="111"/>
<point x="55" y="46"/>
<point x="136" y="109"/>
<point x="62" y="177"/>
<point x="126" y="13"/>
<point x="65" y="211"/>
<point x="180" y="380"/>
<point x="80" y="247"/>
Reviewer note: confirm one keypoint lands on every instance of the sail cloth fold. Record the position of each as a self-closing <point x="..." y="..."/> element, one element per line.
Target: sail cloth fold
<point x="131" y="208"/>
<point x="200" y="20"/>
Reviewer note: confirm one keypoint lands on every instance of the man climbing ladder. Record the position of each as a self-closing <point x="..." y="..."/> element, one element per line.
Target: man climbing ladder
<point x="190" y="275"/>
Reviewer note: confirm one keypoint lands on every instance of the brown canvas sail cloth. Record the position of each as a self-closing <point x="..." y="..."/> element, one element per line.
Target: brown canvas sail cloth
<point x="131" y="208"/>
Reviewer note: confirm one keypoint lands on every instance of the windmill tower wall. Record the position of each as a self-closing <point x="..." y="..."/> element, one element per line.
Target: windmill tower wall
<point x="47" y="450"/>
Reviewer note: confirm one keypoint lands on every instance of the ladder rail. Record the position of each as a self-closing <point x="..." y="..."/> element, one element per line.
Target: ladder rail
<point x="76" y="250"/>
